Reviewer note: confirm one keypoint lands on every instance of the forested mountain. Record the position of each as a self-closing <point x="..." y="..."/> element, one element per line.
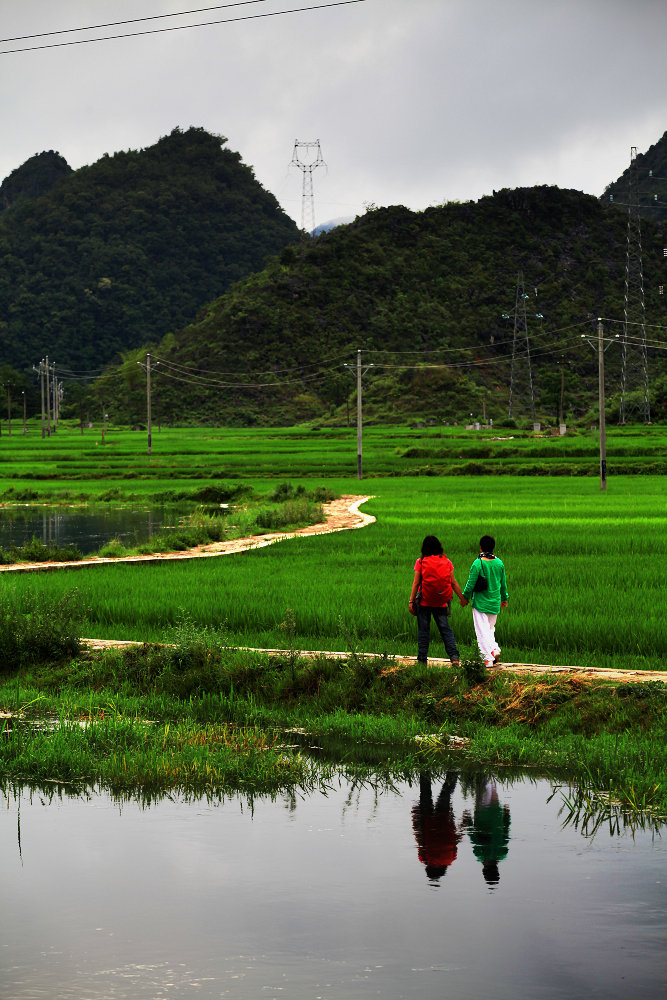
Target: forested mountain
<point x="34" y="178"/>
<point x="650" y="182"/>
<point x="102" y="259"/>
<point x="411" y="290"/>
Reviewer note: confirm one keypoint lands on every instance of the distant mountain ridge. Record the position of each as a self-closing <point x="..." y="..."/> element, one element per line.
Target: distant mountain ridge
<point x="178" y="249"/>
<point x="411" y="290"/>
<point x="99" y="260"/>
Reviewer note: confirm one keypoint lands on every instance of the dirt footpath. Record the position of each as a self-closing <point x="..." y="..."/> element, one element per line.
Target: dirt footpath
<point x="535" y="669"/>
<point x="339" y="515"/>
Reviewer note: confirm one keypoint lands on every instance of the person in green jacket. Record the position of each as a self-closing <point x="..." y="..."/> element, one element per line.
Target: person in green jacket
<point x="489" y="831"/>
<point x="487" y="602"/>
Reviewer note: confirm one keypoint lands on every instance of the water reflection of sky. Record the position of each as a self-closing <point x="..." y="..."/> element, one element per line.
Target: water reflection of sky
<point x="86" y="527"/>
<point x="325" y="896"/>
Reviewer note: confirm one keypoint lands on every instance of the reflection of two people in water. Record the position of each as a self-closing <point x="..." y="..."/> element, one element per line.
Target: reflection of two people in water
<point x="438" y="834"/>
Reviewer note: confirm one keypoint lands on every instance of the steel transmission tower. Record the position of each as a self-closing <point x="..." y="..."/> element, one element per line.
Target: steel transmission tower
<point x="307" y="156"/>
<point x="521" y="374"/>
<point x="634" y="372"/>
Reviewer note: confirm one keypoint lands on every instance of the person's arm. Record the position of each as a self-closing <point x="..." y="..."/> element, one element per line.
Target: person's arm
<point x="455" y="587"/>
<point x="415" y="587"/>
<point x="468" y="589"/>
<point x="504" y="596"/>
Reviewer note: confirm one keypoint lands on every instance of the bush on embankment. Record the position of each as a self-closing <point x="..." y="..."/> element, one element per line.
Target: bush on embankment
<point x="36" y="628"/>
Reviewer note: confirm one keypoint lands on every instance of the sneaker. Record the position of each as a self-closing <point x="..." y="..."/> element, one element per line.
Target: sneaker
<point x="496" y="659"/>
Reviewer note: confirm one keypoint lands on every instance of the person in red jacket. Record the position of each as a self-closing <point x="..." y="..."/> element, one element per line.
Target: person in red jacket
<point x="435" y="581"/>
<point x="436" y="830"/>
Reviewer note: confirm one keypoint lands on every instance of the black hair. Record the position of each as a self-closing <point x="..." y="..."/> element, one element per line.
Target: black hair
<point x="487" y="543"/>
<point x="431" y="546"/>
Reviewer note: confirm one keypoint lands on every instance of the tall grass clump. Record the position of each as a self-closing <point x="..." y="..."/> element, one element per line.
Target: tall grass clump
<point x="291" y="513"/>
<point x="36" y="627"/>
<point x="36" y="551"/>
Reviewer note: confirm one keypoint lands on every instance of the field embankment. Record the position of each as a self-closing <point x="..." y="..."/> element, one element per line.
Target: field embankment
<point x="201" y="717"/>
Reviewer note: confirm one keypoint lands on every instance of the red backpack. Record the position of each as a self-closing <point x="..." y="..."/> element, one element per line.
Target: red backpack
<point x="436" y="585"/>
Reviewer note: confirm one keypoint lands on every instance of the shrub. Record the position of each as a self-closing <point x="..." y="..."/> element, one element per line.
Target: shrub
<point x="290" y="513"/>
<point x="36" y="551"/>
<point x="36" y="628"/>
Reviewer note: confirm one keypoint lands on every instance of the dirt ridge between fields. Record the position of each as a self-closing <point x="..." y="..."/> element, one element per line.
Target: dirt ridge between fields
<point x="536" y="669"/>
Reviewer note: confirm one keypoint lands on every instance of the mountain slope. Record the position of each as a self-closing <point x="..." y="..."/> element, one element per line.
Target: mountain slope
<point x="435" y="283"/>
<point x="120" y="252"/>
<point x="650" y="181"/>
<point x="33" y="178"/>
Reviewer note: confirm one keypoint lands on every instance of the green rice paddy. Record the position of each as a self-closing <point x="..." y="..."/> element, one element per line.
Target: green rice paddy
<point x="89" y="466"/>
<point x="585" y="572"/>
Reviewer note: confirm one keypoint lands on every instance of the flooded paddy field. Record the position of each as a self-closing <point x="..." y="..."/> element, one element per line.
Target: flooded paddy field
<point x="458" y="885"/>
<point x="87" y="527"/>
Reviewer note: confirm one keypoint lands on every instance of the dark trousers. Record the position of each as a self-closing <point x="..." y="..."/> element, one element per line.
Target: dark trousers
<point x="441" y="619"/>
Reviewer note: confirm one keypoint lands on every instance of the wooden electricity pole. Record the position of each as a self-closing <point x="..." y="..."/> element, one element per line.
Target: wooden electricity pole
<point x="603" y="430"/>
<point x="148" y="399"/>
<point x="359" y="373"/>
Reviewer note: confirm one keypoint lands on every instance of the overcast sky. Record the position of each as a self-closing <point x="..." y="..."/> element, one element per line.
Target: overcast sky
<point x="415" y="102"/>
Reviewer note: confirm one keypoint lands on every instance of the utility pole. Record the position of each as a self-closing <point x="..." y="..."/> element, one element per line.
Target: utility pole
<point x="41" y="390"/>
<point x="359" y="373"/>
<point x="25" y="430"/>
<point x="601" y="348"/>
<point x="48" y="400"/>
<point x="148" y="399"/>
<point x="55" y="393"/>
<point x="603" y="429"/>
<point x="562" y="392"/>
<point x="9" y="409"/>
<point x="147" y="366"/>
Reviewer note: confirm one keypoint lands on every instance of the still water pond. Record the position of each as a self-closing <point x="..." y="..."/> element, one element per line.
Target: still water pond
<point x="86" y="527"/>
<point x="456" y="888"/>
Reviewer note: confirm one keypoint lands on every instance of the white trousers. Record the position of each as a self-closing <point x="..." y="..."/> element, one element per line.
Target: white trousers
<point x="485" y="630"/>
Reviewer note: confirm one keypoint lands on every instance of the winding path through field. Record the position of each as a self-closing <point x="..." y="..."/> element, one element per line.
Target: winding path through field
<point x="339" y="515"/>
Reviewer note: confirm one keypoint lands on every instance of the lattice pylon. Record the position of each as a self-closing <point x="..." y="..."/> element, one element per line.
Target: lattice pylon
<point x="307" y="156"/>
<point x="634" y="357"/>
<point x="521" y="373"/>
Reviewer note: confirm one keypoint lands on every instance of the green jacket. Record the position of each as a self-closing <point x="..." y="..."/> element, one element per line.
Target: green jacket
<point x="487" y="600"/>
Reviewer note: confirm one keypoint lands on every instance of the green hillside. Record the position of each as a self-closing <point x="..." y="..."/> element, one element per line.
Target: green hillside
<point x="435" y="283"/>
<point x="102" y="259"/>
<point x="650" y="180"/>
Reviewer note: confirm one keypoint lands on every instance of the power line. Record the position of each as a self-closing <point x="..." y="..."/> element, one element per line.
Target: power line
<point x="134" y="20"/>
<point x="202" y="381"/>
<point x="649" y="326"/>
<point x="520" y="355"/>
<point x="457" y="350"/>
<point x="271" y="371"/>
<point x="181" y="27"/>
